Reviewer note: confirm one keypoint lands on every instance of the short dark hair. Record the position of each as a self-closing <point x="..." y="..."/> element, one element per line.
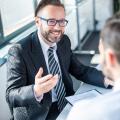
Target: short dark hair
<point x="44" y="3"/>
<point x="116" y="16"/>
<point x="110" y="36"/>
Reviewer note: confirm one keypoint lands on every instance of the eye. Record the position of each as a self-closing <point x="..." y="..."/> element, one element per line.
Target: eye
<point x="51" y="22"/>
<point x="63" y="22"/>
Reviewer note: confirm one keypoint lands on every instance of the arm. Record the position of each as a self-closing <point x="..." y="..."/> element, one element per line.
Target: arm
<point x="86" y="74"/>
<point x="18" y="92"/>
<point x="38" y="98"/>
<point x="23" y="88"/>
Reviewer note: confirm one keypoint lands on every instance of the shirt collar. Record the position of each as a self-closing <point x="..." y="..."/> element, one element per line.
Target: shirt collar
<point x="116" y="85"/>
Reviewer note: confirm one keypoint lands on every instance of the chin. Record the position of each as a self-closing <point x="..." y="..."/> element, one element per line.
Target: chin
<point x="54" y="40"/>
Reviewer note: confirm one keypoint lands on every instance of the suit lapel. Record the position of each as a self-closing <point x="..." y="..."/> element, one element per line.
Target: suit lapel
<point x="37" y="55"/>
<point x="61" y="59"/>
<point x="59" y="53"/>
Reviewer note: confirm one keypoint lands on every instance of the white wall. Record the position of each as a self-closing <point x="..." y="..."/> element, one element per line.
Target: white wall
<point x="15" y="13"/>
<point x="104" y="10"/>
<point x="71" y="28"/>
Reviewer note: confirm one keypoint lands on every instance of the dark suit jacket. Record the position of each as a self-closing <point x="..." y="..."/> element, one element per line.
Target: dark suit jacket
<point x="25" y="59"/>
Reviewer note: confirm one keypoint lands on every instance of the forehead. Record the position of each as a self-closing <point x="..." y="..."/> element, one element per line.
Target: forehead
<point x="51" y="11"/>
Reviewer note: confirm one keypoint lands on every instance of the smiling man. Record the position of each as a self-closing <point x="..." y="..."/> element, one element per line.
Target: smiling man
<point x="39" y="67"/>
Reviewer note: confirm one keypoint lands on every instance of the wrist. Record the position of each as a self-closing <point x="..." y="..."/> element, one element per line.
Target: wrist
<point x="37" y="92"/>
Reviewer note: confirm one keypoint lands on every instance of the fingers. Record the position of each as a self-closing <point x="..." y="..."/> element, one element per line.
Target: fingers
<point x="39" y="79"/>
<point x="45" y="84"/>
<point x="50" y="84"/>
<point x="44" y="79"/>
<point x="39" y="73"/>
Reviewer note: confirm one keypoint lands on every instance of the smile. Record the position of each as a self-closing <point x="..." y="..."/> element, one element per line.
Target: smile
<point x="56" y="33"/>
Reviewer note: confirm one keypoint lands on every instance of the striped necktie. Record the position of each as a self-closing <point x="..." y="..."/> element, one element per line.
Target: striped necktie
<point x="59" y="88"/>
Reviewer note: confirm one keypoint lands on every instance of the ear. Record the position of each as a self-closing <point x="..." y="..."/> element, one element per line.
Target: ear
<point x="37" y="21"/>
<point x="111" y="57"/>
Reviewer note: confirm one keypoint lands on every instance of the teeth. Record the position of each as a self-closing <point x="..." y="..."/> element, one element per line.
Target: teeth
<point x="56" y="33"/>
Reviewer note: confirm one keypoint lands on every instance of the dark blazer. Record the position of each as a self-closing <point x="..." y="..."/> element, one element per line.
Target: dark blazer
<point x="25" y="59"/>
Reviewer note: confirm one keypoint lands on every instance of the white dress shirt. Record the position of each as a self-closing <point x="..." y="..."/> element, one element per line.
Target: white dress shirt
<point x="105" y="107"/>
<point x="116" y="85"/>
<point x="45" y="48"/>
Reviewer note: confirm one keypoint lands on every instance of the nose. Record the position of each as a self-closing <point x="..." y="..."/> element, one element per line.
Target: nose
<point x="57" y="26"/>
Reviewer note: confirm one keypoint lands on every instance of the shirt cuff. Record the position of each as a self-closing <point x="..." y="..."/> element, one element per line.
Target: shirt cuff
<point x="106" y="84"/>
<point x="38" y="98"/>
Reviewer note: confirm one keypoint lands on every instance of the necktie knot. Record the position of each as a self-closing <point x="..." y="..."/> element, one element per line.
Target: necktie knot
<point x="51" y="49"/>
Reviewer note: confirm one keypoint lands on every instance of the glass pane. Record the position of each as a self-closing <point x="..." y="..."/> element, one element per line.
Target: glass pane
<point x="85" y="9"/>
<point x="38" y="1"/>
<point x="85" y="20"/>
<point x="106" y="7"/>
<point x="16" y="14"/>
<point x="71" y="29"/>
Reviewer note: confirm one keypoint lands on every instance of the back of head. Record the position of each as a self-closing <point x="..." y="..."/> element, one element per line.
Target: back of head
<point x="114" y="17"/>
<point x="110" y="36"/>
<point x="44" y="3"/>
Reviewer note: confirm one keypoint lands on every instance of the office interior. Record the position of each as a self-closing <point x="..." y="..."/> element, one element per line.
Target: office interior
<point x="86" y="19"/>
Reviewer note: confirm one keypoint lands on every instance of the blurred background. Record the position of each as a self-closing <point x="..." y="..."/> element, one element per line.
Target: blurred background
<point x="86" y="19"/>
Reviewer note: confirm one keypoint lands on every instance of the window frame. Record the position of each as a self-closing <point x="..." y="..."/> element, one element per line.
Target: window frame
<point x="5" y="39"/>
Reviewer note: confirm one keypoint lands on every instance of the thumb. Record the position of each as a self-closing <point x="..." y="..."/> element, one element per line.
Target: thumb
<point x="39" y="73"/>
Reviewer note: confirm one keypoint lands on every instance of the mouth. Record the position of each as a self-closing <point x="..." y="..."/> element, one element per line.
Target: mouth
<point x="56" y="33"/>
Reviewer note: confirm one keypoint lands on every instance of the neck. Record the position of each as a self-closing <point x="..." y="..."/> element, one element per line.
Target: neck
<point x="116" y="79"/>
<point x="116" y="73"/>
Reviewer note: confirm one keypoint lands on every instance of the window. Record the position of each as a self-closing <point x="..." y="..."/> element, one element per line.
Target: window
<point x="16" y="14"/>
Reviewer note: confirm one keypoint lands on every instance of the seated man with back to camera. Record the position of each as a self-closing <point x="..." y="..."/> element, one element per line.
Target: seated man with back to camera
<point x="106" y="107"/>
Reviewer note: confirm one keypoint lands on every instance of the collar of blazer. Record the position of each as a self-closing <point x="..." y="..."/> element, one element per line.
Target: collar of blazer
<point x="37" y="54"/>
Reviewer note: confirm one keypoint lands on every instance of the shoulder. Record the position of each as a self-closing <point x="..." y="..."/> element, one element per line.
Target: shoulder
<point x="23" y="45"/>
<point x="65" y="40"/>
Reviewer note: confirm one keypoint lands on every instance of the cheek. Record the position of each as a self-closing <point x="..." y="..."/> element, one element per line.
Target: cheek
<point x="45" y="27"/>
<point x="102" y="55"/>
<point x="63" y="30"/>
<point x="101" y="59"/>
<point x="107" y="72"/>
<point x="104" y="68"/>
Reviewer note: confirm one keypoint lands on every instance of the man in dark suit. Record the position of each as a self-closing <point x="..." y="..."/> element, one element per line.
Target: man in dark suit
<point x="35" y="90"/>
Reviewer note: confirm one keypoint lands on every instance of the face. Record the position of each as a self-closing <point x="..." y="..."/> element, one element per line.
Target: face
<point x="105" y="61"/>
<point x="50" y="34"/>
